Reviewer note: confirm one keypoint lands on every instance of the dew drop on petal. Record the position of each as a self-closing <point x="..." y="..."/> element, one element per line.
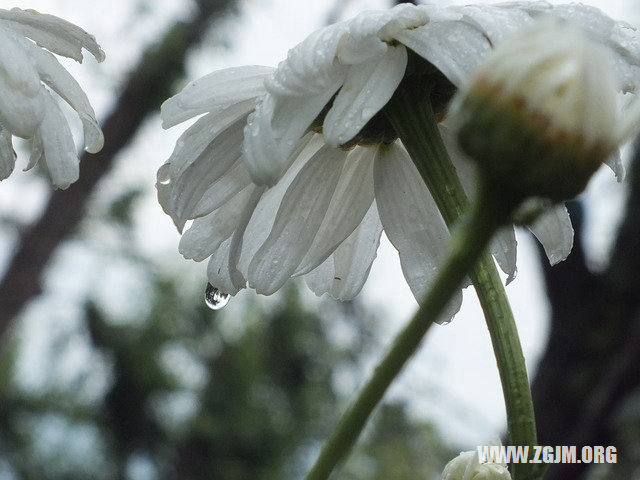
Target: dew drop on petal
<point x="164" y="174"/>
<point x="214" y="298"/>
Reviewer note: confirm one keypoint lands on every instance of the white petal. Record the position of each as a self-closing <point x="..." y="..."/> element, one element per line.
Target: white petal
<point x="216" y="160"/>
<point x="310" y="68"/>
<point x="503" y="248"/>
<point x="351" y="201"/>
<point x="7" y="154"/>
<point x="264" y="158"/>
<point x="344" y="273"/>
<point x="454" y="48"/>
<point x="195" y="146"/>
<point x="614" y="162"/>
<point x="362" y="43"/>
<point x="234" y="180"/>
<point x="264" y="215"/>
<point x="214" y="93"/>
<point x="554" y="231"/>
<point x="59" y="149"/>
<point x="52" y="33"/>
<point x="366" y="89"/>
<point x="15" y="66"/>
<point x="207" y="233"/>
<point x="410" y="218"/>
<point x="37" y="151"/>
<point x="21" y="106"/>
<point x="219" y="271"/>
<point x="61" y="81"/>
<point x="301" y="213"/>
<point x="496" y="22"/>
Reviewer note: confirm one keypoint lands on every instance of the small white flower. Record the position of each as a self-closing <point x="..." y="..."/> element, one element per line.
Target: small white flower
<point x="29" y="76"/>
<point x="466" y="466"/>
<point x="313" y="132"/>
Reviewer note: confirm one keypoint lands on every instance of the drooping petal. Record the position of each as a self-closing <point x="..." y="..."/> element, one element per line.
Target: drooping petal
<point x="310" y="66"/>
<point x="220" y="272"/>
<point x="351" y="200"/>
<point x="20" y="113"/>
<point x="301" y="213"/>
<point x="411" y="219"/>
<point x="236" y="85"/>
<point x="554" y="231"/>
<point x="207" y="233"/>
<point x="366" y="89"/>
<point x="193" y="150"/>
<point x="298" y="91"/>
<point x="7" y="154"/>
<point x="16" y="68"/>
<point x="344" y="273"/>
<point x="614" y="162"/>
<point x="62" y="82"/>
<point x="52" y="33"/>
<point x="497" y="22"/>
<point x="234" y="180"/>
<point x="266" y="155"/>
<point x="57" y="141"/>
<point x="217" y="159"/>
<point x="264" y="214"/>
<point x="455" y="48"/>
<point x="503" y="248"/>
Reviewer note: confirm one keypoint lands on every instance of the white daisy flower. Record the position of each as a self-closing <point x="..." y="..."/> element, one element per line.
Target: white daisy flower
<point x="467" y="466"/>
<point x="296" y="172"/>
<point x="29" y="76"/>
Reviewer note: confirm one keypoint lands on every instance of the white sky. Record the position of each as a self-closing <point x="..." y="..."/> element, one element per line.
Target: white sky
<point x="453" y="380"/>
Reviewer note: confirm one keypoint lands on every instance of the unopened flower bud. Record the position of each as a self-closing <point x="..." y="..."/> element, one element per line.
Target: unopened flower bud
<point x="466" y="466"/>
<point x="540" y="114"/>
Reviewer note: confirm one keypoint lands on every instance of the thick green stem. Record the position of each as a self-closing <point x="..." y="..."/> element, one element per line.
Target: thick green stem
<point x="467" y="245"/>
<point x="411" y="115"/>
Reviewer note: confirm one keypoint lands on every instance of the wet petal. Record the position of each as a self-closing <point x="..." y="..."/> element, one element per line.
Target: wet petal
<point x="61" y="81"/>
<point x="15" y="67"/>
<point x="59" y="149"/>
<point x="554" y="231"/>
<point x="411" y="219"/>
<point x="264" y="215"/>
<point x="344" y="273"/>
<point x="351" y="201"/>
<point x="214" y="93"/>
<point x="301" y="213"/>
<point x="366" y="89"/>
<point x="614" y="162"/>
<point x="454" y="48"/>
<point x="220" y="274"/>
<point x="216" y="160"/>
<point x="19" y="113"/>
<point x="207" y="233"/>
<point x="53" y="33"/>
<point x="7" y="154"/>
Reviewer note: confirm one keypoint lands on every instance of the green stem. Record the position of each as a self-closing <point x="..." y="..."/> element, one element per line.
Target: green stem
<point x="412" y="117"/>
<point x="466" y="247"/>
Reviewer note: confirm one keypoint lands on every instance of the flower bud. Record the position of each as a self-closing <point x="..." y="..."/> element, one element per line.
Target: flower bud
<point x="466" y="466"/>
<point x="539" y="115"/>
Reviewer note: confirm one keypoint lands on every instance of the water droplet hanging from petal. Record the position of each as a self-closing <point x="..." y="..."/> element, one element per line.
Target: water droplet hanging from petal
<point x="214" y="298"/>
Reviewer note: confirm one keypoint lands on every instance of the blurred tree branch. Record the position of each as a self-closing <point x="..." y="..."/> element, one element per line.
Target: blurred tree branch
<point x="148" y="85"/>
<point x="590" y="366"/>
